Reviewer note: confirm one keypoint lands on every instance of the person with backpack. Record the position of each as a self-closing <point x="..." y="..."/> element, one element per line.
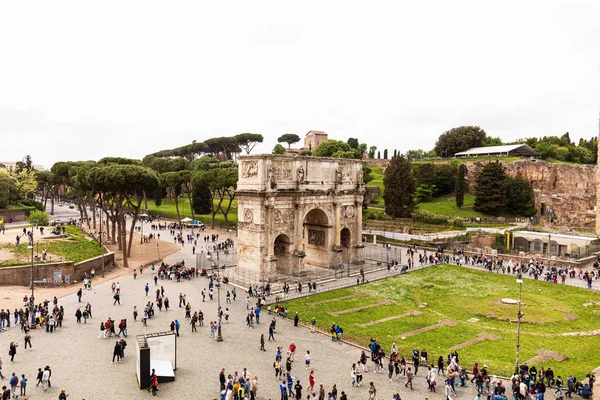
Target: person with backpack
<point x="14" y="382"/>
<point x="409" y="377"/>
<point x="23" y="385"/>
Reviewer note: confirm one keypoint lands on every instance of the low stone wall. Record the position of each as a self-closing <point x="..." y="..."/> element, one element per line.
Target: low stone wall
<point x="16" y="215"/>
<point x="21" y="275"/>
<point x="95" y="263"/>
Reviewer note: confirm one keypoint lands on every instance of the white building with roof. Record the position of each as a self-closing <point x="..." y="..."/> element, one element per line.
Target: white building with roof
<point x="510" y="150"/>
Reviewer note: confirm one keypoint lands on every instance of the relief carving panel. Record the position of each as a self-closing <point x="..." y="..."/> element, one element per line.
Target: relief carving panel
<point x="250" y="169"/>
<point x="316" y="238"/>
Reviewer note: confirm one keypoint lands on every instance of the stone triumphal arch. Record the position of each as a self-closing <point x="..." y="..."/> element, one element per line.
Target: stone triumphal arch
<point x="295" y="212"/>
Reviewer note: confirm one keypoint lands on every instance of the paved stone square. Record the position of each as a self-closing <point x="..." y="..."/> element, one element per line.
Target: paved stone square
<point x="81" y="363"/>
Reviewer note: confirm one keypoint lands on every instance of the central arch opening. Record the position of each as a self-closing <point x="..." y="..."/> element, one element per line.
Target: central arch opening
<point x="316" y="238"/>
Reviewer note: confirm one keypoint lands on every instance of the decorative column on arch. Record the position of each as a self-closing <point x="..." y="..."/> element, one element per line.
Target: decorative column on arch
<point x="358" y="257"/>
<point x="299" y="253"/>
<point x="337" y="229"/>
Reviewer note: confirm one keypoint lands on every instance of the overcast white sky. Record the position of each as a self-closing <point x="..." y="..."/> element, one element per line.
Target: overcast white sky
<point x="83" y="80"/>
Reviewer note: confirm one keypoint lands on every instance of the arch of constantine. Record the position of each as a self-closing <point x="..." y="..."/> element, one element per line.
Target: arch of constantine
<point x="295" y="212"/>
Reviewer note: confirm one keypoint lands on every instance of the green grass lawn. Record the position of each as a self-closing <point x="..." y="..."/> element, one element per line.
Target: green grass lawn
<point x="76" y="247"/>
<point x="167" y="210"/>
<point x="448" y="207"/>
<point x="457" y="295"/>
<point x="378" y="182"/>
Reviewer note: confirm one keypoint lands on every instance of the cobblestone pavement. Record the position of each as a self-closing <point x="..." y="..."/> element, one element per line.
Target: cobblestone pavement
<point x="81" y="363"/>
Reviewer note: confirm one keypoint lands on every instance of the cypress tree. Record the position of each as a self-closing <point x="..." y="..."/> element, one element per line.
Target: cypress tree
<point x="399" y="187"/>
<point x="461" y="185"/>
<point x="201" y="199"/>
<point x="490" y="193"/>
<point x="385" y="154"/>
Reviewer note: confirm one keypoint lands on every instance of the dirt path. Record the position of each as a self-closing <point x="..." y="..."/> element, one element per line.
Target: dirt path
<point x="414" y="313"/>
<point x="381" y="303"/>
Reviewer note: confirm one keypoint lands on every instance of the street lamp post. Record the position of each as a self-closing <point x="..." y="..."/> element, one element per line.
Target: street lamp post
<point x="519" y="316"/>
<point x="32" y="298"/>
<point x="215" y="249"/>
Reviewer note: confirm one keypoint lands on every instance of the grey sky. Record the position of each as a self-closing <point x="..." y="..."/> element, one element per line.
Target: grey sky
<point x="83" y="80"/>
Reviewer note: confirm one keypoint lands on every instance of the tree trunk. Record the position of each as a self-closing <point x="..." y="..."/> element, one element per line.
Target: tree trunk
<point x="52" y="204"/>
<point x="123" y="235"/>
<point x="92" y="207"/>
<point x="136" y="213"/>
<point x="221" y="195"/>
<point x="133" y="221"/>
<point x="231" y="194"/>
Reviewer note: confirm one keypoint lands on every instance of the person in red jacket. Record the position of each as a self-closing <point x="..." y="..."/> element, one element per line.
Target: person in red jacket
<point x="154" y="385"/>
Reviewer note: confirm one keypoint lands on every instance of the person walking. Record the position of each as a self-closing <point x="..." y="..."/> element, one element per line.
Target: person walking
<point x="271" y="332"/>
<point x="135" y="313"/>
<point x="311" y="381"/>
<point x="313" y="324"/>
<point x="12" y="351"/>
<point x="298" y="389"/>
<point x="262" y="342"/>
<point x="448" y="391"/>
<point x="146" y="289"/>
<point x="40" y="375"/>
<point x="14" y="382"/>
<point x="154" y="385"/>
<point x="23" y="385"/>
<point x="78" y="315"/>
<point x="27" y="340"/>
<point x="116" y="352"/>
<point x="47" y="368"/>
<point x="117" y="298"/>
<point x="409" y="377"/>
<point x="46" y="379"/>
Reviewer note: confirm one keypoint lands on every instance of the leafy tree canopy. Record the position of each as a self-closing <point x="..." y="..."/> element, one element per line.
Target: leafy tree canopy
<point x="289" y="138"/>
<point x="459" y="139"/>
<point x="247" y="141"/>
<point x="278" y="149"/>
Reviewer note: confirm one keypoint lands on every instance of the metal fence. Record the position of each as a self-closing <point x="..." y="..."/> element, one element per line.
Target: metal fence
<point x="376" y="257"/>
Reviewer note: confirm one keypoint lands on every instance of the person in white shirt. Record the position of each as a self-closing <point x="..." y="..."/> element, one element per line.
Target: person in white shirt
<point x="307" y="358"/>
<point x="45" y="378"/>
<point x="448" y="391"/>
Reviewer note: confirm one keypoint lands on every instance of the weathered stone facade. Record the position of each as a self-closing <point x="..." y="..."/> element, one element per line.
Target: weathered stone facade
<point x="567" y="189"/>
<point x="294" y="211"/>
